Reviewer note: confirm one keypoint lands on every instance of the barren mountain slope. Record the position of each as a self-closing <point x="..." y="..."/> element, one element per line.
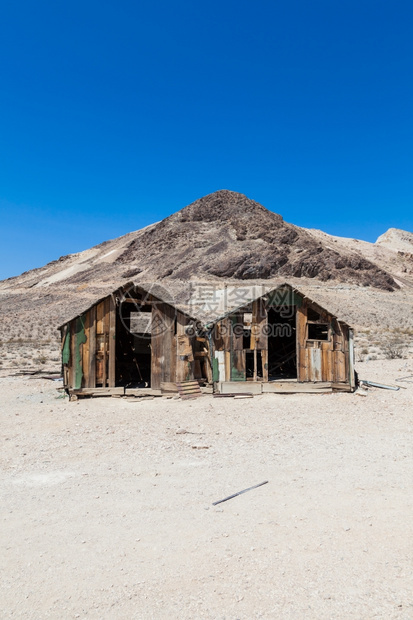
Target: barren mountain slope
<point x="396" y="239"/>
<point x="391" y="252"/>
<point x="226" y="235"/>
<point x="221" y="237"/>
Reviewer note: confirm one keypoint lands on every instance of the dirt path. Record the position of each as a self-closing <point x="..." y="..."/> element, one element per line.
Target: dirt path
<point x="106" y="507"/>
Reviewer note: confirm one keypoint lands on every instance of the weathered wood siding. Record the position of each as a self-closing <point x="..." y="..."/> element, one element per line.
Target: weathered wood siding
<point x="179" y="354"/>
<point x="317" y="360"/>
<point x="322" y="360"/>
<point x="92" y="348"/>
<point x="163" y="318"/>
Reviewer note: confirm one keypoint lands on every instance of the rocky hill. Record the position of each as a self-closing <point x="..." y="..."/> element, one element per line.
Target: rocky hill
<point x="227" y="235"/>
<point x="224" y="236"/>
<point x="396" y="239"/>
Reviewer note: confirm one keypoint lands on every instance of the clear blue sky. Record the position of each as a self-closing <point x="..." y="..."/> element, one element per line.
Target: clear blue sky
<point x="115" y="115"/>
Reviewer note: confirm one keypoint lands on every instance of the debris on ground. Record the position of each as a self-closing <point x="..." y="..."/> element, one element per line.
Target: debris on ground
<point x="239" y="493"/>
<point x="383" y="386"/>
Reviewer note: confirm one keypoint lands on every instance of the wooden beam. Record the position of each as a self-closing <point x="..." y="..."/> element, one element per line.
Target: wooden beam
<point x="264" y="361"/>
<point x="142" y="392"/>
<point x="240" y="387"/>
<point x="341" y="387"/>
<point x="140" y="302"/>
<point x="280" y="387"/>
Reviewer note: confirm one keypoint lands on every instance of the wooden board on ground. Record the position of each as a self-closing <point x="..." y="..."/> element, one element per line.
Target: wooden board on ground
<point x="102" y="391"/>
<point x="142" y="392"/>
<point x="341" y="387"/>
<point x="280" y="387"/>
<point x="189" y="389"/>
<point x="239" y="387"/>
<point x="167" y="386"/>
<point x="233" y="394"/>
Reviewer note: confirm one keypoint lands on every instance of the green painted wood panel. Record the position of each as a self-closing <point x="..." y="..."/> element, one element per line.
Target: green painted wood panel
<point x="66" y="348"/>
<point x="80" y="338"/>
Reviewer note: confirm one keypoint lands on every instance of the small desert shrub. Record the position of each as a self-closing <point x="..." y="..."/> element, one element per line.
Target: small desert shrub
<point x="394" y="349"/>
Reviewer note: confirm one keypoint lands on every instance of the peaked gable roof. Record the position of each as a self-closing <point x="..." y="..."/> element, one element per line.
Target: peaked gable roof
<point x="209" y="302"/>
<point x="228" y="305"/>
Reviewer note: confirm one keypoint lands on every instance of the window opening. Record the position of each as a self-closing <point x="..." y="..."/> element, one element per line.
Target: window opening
<point x="318" y="331"/>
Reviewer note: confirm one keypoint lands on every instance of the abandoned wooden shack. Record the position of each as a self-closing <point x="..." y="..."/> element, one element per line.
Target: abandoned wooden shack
<point x="282" y="342"/>
<point x="132" y="340"/>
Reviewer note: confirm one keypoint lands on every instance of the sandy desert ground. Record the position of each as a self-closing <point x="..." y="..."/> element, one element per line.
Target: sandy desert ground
<point x="106" y="507"/>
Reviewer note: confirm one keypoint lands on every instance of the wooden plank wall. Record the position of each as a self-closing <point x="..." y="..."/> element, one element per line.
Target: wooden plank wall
<point x="327" y="360"/>
<point x="156" y="347"/>
<point x="238" y="372"/>
<point x="218" y="344"/>
<point x="174" y="352"/>
<point x="226" y="326"/>
<point x="86" y="352"/>
<point x="65" y="350"/>
<point x="112" y="343"/>
<point x="97" y="348"/>
<point x="231" y="344"/>
<point x="89" y="350"/>
<point x="163" y="356"/>
<point x="302" y="355"/>
<point x="183" y="361"/>
<point x="351" y="370"/>
<point x="321" y="360"/>
<point x="92" y="348"/>
<point x="340" y="365"/>
<point x="71" y="329"/>
<point x="237" y="331"/>
<point x="79" y="341"/>
<point x="167" y="347"/>
<point x="102" y="342"/>
<point x="259" y="335"/>
<point x="227" y="337"/>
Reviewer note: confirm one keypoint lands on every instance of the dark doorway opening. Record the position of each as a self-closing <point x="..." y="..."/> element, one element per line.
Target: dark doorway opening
<point x="133" y="346"/>
<point x="253" y="365"/>
<point x="282" y="343"/>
